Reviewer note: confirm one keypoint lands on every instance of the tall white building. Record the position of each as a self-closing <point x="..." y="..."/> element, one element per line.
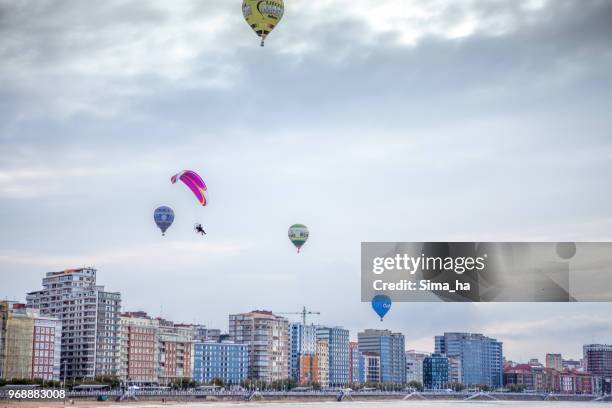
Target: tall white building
<point x="414" y="365"/>
<point x="267" y="336"/>
<point x="322" y="350"/>
<point x="90" y="321"/>
<point x="454" y="370"/>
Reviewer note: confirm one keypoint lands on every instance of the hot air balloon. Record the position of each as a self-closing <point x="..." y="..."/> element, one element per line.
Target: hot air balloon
<point x="263" y="15"/>
<point x="381" y="305"/>
<point x="163" y="216"/>
<point x="194" y="182"/>
<point x="298" y="234"/>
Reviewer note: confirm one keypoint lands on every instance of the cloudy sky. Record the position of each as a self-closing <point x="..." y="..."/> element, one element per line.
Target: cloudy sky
<point x="367" y="120"/>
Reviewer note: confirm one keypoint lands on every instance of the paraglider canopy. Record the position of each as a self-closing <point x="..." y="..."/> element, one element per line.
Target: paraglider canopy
<point x="298" y="234"/>
<point x="195" y="183"/>
<point x="381" y="305"/>
<point x="263" y="15"/>
<point x="163" y="217"/>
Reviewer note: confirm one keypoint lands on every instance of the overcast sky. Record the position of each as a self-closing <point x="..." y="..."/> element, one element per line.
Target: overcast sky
<point x="366" y="120"/>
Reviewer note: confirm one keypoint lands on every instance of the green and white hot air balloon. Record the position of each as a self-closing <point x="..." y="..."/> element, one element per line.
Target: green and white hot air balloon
<point x="298" y="234"/>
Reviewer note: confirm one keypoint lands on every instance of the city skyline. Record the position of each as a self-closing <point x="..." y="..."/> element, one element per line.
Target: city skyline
<point x="523" y="356"/>
<point x="401" y="120"/>
<point x="73" y="315"/>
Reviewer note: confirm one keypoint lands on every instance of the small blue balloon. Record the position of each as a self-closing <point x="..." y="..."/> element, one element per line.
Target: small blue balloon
<point x="381" y="305"/>
<point x="163" y="216"/>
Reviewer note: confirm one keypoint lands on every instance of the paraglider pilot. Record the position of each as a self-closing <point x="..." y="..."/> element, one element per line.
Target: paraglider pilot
<point x="199" y="230"/>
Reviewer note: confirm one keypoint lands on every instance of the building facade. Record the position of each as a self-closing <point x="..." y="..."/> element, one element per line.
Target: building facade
<point x="371" y="367"/>
<point x="225" y="360"/>
<point x="337" y="339"/>
<point x="267" y="338"/>
<point x="175" y="357"/>
<point x="355" y="362"/>
<point x="391" y="349"/>
<point x="576" y="365"/>
<point x="435" y="372"/>
<point x="454" y="370"/>
<point x="302" y="341"/>
<point x="30" y="343"/>
<point x="549" y="380"/>
<point x="309" y="370"/>
<point x="202" y="334"/>
<point x="414" y="365"/>
<point x="554" y="361"/>
<point x="598" y="359"/>
<point x="322" y="353"/>
<point x="138" y="348"/>
<point x="481" y="357"/>
<point x="90" y="321"/>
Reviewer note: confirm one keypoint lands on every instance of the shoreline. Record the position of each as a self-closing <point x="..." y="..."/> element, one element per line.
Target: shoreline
<point x="157" y="401"/>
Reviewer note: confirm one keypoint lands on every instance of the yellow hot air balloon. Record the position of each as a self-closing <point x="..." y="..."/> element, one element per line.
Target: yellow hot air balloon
<point x="263" y="15"/>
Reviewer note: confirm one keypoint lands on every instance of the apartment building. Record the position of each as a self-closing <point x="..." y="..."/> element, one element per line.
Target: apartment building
<point x="90" y="321"/>
<point x="267" y="338"/>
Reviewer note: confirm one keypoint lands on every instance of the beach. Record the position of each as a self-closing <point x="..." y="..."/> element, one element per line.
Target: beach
<point x="298" y="404"/>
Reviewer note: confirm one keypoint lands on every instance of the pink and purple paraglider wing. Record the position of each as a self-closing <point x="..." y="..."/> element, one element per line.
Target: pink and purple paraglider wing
<point x="194" y="182"/>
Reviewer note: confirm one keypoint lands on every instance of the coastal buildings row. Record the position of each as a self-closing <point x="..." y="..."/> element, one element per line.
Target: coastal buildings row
<point x="74" y="328"/>
<point x="592" y="374"/>
<point x="550" y="380"/>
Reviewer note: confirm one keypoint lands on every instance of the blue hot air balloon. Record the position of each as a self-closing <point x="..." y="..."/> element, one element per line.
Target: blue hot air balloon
<point x="381" y="305"/>
<point x="163" y="217"/>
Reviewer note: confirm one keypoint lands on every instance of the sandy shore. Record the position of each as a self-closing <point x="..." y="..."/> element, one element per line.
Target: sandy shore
<point x="103" y="404"/>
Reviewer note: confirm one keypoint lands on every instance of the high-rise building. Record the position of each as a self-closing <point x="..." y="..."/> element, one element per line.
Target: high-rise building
<point x="226" y="360"/>
<point x="598" y="359"/>
<point x="480" y="357"/>
<point x="435" y="372"/>
<point x="175" y="357"/>
<point x="30" y="343"/>
<point x="309" y="369"/>
<point x="267" y="338"/>
<point x="302" y="341"/>
<point x="90" y="321"/>
<point x="554" y="361"/>
<point x="371" y="367"/>
<point x="138" y="349"/>
<point x="414" y="365"/>
<point x="391" y="349"/>
<point x="454" y="370"/>
<point x="355" y="362"/>
<point x="338" y="341"/>
<point x="323" y="359"/>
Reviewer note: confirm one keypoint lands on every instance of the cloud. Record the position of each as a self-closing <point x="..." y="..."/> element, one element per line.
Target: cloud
<point x="184" y="254"/>
<point x="106" y="59"/>
<point x="395" y="120"/>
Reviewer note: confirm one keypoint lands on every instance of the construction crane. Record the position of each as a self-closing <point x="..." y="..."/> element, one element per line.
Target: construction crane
<point x="304" y="312"/>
